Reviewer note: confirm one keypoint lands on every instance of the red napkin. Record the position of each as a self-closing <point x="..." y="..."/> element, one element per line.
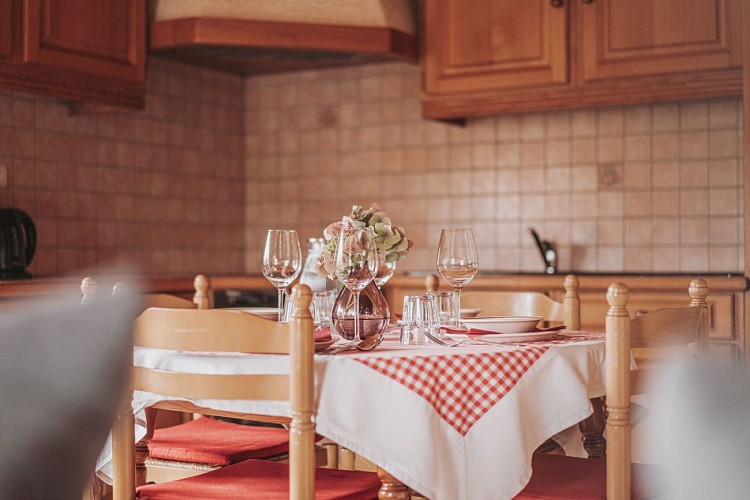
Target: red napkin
<point x="322" y="334"/>
<point x="477" y="331"/>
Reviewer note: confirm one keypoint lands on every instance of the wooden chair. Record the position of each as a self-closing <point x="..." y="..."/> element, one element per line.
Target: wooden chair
<point x="179" y="444"/>
<point x="507" y="303"/>
<point x="233" y="331"/>
<point x="561" y="477"/>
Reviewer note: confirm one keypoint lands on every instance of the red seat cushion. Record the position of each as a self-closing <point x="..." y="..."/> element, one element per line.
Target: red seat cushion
<point x="264" y="480"/>
<point x="560" y="477"/>
<point x="210" y="441"/>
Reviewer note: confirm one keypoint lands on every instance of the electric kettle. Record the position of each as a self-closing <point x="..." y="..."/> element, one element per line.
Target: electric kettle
<point x="17" y="243"/>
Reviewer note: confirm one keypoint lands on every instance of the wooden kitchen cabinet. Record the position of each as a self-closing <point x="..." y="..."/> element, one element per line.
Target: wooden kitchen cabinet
<point x="490" y="56"/>
<point x="621" y="39"/>
<point x="5" y="24"/>
<point x="484" y="45"/>
<point x="85" y="50"/>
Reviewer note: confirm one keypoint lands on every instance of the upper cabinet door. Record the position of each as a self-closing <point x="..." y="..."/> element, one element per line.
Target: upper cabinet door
<point x="105" y="38"/>
<point x="479" y="45"/>
<point x="647" y="37"/>
<point x="6" y="24"/>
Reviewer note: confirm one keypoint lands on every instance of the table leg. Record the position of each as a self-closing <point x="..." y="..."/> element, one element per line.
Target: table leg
<point x="392" y="488"/>
<point x="593" y="431"/>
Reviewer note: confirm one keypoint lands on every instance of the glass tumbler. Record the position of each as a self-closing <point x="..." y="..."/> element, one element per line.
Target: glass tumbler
<point x="447" y="308"/>
<point x="419" y="316"/>
<point x="322" y="307"/>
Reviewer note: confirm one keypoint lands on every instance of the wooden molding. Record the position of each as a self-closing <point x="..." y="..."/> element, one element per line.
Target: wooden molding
<point x="722" y="83"/>
<point x="250" y="47"/>
<point x="34" y="79"/>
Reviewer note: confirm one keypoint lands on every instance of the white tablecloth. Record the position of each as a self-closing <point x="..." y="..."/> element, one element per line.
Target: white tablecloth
<point x="451" y="423"/>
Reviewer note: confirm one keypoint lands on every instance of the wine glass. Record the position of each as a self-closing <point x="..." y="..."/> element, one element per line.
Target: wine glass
<point x="356" y="263"/>
<point x="457" y="260"/>
<point x="282" y="261"/>
<point x="386" y="270"/>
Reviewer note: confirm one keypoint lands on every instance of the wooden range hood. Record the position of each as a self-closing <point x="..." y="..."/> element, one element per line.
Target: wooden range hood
<point x="251" y="37"/>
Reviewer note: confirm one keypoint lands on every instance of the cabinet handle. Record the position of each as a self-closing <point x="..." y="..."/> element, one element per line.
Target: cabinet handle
<point x="587" y="1"/>
<point x="556" y="3"/>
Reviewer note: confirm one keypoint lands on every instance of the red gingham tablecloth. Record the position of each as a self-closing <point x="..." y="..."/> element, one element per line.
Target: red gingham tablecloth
<point x="463" y="387"/>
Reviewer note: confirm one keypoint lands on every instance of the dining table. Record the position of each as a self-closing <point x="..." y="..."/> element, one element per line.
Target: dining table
<point x="448" y="422"/>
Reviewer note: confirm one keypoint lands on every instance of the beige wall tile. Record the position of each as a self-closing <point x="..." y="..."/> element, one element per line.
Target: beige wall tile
<point x="637" y="119"/>
<point x="665" y="117"/>
<point x="723" y="113"/>
<point x="307" y="145"/>
<point x="694" y="115"/>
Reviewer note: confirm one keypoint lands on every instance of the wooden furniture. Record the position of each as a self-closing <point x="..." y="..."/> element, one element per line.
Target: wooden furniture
<point x="506" y="303"/>
<point x="511" y="391"/>
<point x="250" y="38"/>
<point x="561" y="477"/>
<point x="85" y="50"/>
<point x="726" y="322"/>
<point x="746" y="157"/>
<point x="493" y="56"/>
<point x="172" y="450"/>
<point x="235" y="332"/>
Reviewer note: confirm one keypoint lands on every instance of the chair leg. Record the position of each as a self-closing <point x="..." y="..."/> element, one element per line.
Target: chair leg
<point x="332" y="454"/>
<point x="346" y="459"/>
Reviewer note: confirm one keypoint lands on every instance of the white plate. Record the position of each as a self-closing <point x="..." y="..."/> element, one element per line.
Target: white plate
<point x="264" y="312"/>
<point x="504" y="338"/>
<point x="470" y="313"/>
<point x="503" y="324"/>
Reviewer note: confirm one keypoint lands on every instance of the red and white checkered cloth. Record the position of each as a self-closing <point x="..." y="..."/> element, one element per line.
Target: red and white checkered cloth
<point x="463" y="387"/>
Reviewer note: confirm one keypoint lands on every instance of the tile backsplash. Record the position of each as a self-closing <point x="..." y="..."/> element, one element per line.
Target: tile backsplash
<point x="191" y="183"/>
<point x="160" y="189"/>
<point x="641" y="188"/>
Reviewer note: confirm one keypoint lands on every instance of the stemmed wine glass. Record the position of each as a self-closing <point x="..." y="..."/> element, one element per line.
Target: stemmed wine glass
<point x="356" y="263"/>
<point x="457" y="260"/>
<point x="282" y="261"/>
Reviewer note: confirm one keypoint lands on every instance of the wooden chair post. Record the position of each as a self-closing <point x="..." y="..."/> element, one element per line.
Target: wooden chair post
<point x="698" y="292"/>
<point x="88" y="289"/>
<point x="572" y="303"/>
<point x="301" y="392"/>
<point x="201" y="299"/>
<point x="617" y="362"/>
<point x="431" y="283"/>
<point x="123" y="452"/>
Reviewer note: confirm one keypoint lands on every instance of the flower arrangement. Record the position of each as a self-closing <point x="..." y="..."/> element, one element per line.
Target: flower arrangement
<point x="390" y="240"/>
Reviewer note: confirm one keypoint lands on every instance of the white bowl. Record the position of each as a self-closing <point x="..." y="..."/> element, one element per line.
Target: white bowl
<point x="503" y="324"/>
<point x="470" y="313"/>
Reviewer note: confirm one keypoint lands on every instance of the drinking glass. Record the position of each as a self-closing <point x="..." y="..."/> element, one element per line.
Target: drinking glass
<point x="282" y="261"/>
<point x="457" y="260"/>
<point x="419" y="319"/>
<point x="356" y="263"/>
<point x="447" y="308"/>
<point x="322" y="307"/>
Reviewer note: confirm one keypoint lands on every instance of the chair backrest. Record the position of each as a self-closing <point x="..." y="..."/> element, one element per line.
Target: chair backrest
<point x="659" y="328"/>
<point x="217" y="330"/>
<point x="201" y="297"/>
<point x="507" y="303"/>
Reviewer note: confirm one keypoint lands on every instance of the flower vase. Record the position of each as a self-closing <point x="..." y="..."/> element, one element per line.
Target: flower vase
<point x="373" y="315"/>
